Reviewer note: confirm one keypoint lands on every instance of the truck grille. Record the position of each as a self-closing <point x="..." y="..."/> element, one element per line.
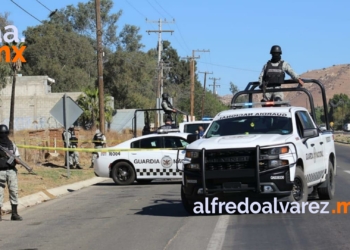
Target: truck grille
<point x="230" y="159"/>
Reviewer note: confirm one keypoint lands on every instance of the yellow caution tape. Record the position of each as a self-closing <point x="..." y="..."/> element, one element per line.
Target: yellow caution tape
<point x="96" y="149"/>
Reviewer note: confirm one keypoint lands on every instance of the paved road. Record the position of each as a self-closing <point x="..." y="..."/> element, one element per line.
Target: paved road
<point x="105" y="216"/>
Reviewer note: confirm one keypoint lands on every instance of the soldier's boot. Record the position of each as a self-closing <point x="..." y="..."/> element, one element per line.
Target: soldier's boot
<point x="15" y="215"/>
<point x="78" y="166"/>
<point x="0" y="214"/>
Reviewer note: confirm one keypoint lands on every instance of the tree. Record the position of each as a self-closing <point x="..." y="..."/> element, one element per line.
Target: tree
<point x="130" y="39"/>
<point x="62" y="54"/>
<point x="234" y="89"/>
<point x="339" y="110"/>
<point x="127" y="73"/>
<point x="5" y="70"/>
<point x="82" y="19"/>
<point x="89" y="102"/>
<point x="15" y="68"/>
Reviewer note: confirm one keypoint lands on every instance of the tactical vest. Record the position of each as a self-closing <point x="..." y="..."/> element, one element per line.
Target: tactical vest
<point x="9" y="147"/>
<point x="274" y="74"/>
<point x="98" y="139"/>
<point x="169" y="106"/>
<point x="3" y="157"/>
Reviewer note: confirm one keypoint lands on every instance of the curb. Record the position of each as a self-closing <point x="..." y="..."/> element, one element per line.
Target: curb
<point x="49" y="194"/>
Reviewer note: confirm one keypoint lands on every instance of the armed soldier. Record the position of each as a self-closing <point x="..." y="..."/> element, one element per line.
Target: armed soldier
<point x="8" y="172"/>
<point x="100" y="141"/>
<point x="167" y="106"/>
<point x="72" y="143"/>
<point x="273" y="72"/>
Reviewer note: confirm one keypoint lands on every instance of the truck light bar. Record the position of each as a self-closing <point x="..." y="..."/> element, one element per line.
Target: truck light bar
<point x="165" y="131"/>
<point x="252" y="104"/>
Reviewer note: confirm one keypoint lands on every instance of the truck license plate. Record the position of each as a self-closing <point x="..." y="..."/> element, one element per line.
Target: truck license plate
<point x="230" y="185"/>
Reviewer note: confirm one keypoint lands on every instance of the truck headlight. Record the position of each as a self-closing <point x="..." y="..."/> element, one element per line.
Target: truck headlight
<point x="278" y="163"/>
<point x="192" y="154"/>
<point x="278" y="151"/>
<point x="192" y="166"/>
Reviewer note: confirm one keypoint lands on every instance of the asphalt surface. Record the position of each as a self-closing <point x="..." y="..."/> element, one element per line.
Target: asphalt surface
<point x="106" y="216"/>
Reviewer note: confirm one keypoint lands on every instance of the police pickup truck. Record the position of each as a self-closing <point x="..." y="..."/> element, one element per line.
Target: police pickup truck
<point x="262" y="151"/>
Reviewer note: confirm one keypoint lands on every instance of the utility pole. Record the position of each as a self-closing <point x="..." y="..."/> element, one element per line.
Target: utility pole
<point x="214" y="85"/>
<point x="160" y="63"/>
<point x="192" y="73"/>
<point x="100" y="65"/>
<point x="204" y="90"/>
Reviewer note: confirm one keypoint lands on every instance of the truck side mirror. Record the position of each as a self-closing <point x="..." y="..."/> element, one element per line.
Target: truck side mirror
<point x="192" y="137"/>
<point x="309" y="133"/>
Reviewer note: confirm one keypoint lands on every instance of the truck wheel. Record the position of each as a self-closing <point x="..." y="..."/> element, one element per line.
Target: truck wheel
<point x="144" y="181"/>
<point x="123" y="173"/>
<point x="326" y="192"/>
<point x="186" y="203"/>
<point x="300" y="190"/>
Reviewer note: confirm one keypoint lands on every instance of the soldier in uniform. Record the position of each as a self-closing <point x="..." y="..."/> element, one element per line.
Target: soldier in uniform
<point x="167" y="107"/>
<point x="8" y="172"/>
<point x="100" y="141"/>
<point x="273" y="72"/>
<point x="72" y="143"/>
<point x="168" y="124"/>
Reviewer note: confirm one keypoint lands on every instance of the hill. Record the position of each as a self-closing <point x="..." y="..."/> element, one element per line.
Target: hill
<point x="335" y="80"/>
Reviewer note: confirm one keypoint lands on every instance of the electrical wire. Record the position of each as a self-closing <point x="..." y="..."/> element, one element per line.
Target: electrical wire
<point x="26" y="11"/>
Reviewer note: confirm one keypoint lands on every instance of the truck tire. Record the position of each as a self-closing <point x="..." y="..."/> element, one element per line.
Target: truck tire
<point x="123" y="173"/>
<point x="300" y="190"/>
<point x="326" y="192"/>
<point x="186" y="203"/>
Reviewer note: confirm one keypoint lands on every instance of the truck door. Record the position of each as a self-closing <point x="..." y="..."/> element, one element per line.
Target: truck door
<point x="171" y="143"/>
<point x="314" y="164"/>
<point x="146" y="162"/>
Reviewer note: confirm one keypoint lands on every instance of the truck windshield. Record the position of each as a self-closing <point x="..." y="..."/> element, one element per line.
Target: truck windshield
<point x="250" y="125"/>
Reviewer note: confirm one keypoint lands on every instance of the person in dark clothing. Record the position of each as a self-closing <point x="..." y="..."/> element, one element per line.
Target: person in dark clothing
<point x="273" y="73"/>
<point x="167" y="106"/>
<point x="168" y="124"/>
<point x="8" y="172"/>
<point x="99" y="141"/>
<point x="73" y="156"/>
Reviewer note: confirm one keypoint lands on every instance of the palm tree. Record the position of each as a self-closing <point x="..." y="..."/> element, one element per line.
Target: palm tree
<point x="15" y="68"/>
<point x="89" y="102"/>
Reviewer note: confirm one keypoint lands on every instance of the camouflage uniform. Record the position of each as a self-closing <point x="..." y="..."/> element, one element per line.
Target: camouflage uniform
<point x="9" y="177"/>
<point x="99" y="140"/>
<point x="73" y="156"/>
<point x="286" y="68"/>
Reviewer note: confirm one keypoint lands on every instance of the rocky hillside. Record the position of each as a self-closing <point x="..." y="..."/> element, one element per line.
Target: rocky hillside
<point x="336" y="80"/>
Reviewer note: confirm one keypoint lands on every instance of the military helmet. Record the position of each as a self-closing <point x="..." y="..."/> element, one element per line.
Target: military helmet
<point x="4" y="129"/>
<point x="275" y="49"/>
<point x="165" y="95"/>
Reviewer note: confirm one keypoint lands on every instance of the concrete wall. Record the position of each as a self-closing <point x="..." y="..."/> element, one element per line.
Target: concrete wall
<point x="33" y="103"/>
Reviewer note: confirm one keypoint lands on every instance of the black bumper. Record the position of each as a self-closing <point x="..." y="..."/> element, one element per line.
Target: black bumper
<point x="236" y="183"/>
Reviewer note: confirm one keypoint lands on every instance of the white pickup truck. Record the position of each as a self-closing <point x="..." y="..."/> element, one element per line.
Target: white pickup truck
<point x="261" y="152"/>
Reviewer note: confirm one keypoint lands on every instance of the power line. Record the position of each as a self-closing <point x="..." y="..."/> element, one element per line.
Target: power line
<point x="26" y="11"/>
<point x="135" y="9"/>
<point x="44" y="5"/>
<point x="51" y="12"/>
<point x="154" y="8"/>
<point x="175" y="24"/>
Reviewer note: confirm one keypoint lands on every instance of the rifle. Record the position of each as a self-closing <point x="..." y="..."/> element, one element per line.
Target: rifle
<point x="264" y="90"/>
<point x="12" y="157"/>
